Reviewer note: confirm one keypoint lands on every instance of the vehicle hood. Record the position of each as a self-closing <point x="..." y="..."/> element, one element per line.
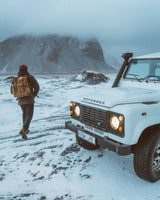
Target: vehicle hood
<point x="118" y="96"/>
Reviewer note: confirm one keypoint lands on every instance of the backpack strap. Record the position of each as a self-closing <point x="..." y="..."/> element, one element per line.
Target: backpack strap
<point x="12" y="85"/>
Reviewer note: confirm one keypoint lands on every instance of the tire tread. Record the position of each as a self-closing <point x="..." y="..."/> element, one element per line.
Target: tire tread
<point x="142" y="157"/>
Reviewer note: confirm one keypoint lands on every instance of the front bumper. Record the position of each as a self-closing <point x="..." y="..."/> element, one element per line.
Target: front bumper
<point x="120" y="149"/>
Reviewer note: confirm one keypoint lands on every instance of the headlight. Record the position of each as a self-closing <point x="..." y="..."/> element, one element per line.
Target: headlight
<point x="77" y="111"/>
<point x="115" y="122"/>
<point x="74" y="109"/>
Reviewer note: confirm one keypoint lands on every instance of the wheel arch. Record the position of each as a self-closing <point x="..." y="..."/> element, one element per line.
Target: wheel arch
<point x="146" y="133"/>
<point x="146" y="155"/>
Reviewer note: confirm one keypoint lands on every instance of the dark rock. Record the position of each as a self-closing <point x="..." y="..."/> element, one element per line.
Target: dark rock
<point x="54" y="54"/>
<point x="85" y="176"/>
<point x="43" y="198"/>
<point x="2" y="176"/>
<point x="39" y="154"/>
<point x="39" y="178"/>
<point x="87" y="160"/>
<point x="90" y="77"/>
<point x="94" y="50"/>
<point x="23" y="195"/>
<point x="70" y="149"/>
<point x="51" y="54"/>
<point x="63" y="197"/>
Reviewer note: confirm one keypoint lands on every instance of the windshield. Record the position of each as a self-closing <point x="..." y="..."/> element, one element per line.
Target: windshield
<point x="143" y="70"/>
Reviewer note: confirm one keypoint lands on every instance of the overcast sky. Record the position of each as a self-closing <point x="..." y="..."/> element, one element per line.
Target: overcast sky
<point x="130" y="23"/>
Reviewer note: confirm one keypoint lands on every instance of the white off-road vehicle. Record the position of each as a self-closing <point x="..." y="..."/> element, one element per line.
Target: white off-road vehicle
<point x="126" y="117"/>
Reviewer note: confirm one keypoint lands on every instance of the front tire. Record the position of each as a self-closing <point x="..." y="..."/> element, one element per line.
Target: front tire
<point x="147" y="157"/>
<point x="85" y="144"/>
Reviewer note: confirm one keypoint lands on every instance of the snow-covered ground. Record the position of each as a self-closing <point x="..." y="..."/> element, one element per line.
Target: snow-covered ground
<point x="50" y="165"/>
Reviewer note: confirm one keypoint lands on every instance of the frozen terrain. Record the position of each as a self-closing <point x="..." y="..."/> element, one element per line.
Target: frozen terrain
<point x="50" y="165"/>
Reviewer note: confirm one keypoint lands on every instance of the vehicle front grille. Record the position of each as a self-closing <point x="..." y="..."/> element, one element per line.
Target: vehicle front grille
<point x="94" y="117"/>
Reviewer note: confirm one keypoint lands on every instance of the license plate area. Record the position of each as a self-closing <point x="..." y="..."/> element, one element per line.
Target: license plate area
<point x="87" y="137"/>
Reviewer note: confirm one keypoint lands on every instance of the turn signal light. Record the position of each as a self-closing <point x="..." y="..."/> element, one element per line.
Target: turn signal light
<point x="120" y="129"/>
<point x="71" y="112"/>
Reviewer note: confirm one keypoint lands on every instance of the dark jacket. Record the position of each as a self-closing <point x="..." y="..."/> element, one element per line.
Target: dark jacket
<point x="34" y="87"/>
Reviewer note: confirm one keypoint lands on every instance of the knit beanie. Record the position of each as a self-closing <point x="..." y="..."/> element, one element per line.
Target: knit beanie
<point x="23" y="68"/>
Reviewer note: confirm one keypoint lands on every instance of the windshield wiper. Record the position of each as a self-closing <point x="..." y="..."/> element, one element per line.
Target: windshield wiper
<point x="135" y="75"/>
<point x="152" y="76"/>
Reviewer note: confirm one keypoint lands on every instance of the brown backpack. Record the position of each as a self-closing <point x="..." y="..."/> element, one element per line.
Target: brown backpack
<point x="20" y="86"/>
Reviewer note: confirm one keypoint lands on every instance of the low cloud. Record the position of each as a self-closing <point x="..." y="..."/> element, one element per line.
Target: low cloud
<point x="113" y="22"/>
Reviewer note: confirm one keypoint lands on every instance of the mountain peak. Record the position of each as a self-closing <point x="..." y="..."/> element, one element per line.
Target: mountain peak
<point x="51" y="54"/>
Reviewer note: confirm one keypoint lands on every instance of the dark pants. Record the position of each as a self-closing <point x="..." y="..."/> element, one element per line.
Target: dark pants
<point x="27" y="114"/>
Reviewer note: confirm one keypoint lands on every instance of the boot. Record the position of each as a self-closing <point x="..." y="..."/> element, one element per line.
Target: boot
<point x="24" y="136"/>
<point x="23" y="132"/>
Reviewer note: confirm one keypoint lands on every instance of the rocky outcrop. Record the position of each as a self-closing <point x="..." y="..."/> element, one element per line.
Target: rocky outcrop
<point x="90" y="77"/>
<point x="51" y="54"/>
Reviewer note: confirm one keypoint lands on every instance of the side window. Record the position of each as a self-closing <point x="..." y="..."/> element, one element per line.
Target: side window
<point x="155" y="71"/>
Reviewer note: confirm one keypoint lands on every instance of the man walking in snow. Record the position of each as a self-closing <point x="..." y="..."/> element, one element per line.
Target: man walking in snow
<point x="27" y="102"/>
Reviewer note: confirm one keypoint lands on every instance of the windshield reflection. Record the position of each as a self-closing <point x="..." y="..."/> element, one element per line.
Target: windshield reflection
<point x="143" y="70"/>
